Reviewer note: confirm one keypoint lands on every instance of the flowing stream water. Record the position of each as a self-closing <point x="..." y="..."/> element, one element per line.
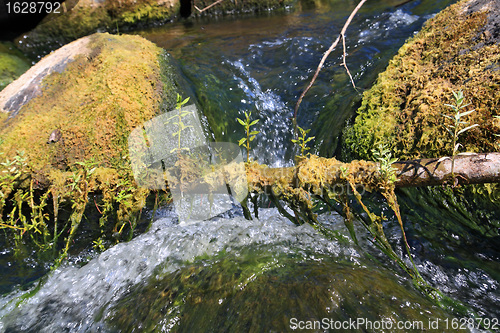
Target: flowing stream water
<point x="267" y="275"/>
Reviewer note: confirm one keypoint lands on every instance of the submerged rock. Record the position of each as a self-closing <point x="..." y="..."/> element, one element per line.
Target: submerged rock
<point x="456" y="50"/>
<point x="265" y="292"/>
<point x="12" y="64"/>
<point x="76" y="19"/>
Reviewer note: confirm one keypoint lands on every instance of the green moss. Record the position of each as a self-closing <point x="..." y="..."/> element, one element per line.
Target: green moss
<point x="147" y="13"/>
<point x="405" y="106"/>
<point x="12" y="64"/>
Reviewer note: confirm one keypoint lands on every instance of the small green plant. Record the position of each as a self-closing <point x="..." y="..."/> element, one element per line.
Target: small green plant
<point x="302" y="141"/>
<point x="455" y="128"/>
<point x="181" y="114"/>
<point x="99" y="244"/>
<point x="383" y="155"/>
<point x="250" y="135"/>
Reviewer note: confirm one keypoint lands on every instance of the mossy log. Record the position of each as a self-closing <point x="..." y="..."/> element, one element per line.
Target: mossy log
<point x="315" y="173"/>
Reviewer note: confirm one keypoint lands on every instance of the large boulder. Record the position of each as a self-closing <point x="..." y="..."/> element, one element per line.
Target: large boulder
<point x="456" y="50"/>
<point x="64" y="135"/>
<point x="81" y="102"/>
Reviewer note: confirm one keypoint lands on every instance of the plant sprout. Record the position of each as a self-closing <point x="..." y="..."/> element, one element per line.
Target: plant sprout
<point x="250" y="135"/>
<point x="455" y="128"/>
<point x="383" y="155"/>
<point x="302" y="140"/>
<point x="182" y="126"/>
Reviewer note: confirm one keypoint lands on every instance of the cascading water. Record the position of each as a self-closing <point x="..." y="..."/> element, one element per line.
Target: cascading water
<point x="228" y="273"/>
<point x="106" y="292"/>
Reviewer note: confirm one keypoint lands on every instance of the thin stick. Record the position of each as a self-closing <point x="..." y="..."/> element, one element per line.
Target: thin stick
<point x="327" y="53"/>
<point x="208" y="7"/>
<point x="345" y="64"/>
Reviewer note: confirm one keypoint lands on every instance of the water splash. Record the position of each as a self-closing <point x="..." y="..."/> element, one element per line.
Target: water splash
<point x="72" y="297"/>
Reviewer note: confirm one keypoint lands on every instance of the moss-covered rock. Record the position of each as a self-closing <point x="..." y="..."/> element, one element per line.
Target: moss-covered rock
<point x="12" y="64"/>
<point x="85" y="17"/>
<point x="94" y="91"/>
<point x="456" y="50"/>
<point x="65" y="129"/>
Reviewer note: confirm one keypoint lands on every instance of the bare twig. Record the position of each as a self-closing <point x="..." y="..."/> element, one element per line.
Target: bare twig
<point x="344" y="55"/>
<point x="327" y="53"/>
<point x="208" y="7"/>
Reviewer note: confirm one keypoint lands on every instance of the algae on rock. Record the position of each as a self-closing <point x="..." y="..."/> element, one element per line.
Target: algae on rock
<point x="12" y="64"/>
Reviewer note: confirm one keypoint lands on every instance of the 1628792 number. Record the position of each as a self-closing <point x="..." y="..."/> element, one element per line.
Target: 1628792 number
<point x="472" y="323"/>
<point x="33" y="7"/>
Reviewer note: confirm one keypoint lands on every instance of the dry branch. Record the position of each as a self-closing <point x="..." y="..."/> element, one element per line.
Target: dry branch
<point x="207" y="7"/>
<point x="474" y="169"/>
<point x="327" y="53"/>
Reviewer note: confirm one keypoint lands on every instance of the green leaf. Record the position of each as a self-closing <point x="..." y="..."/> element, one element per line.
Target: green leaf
<point x="254" y="122"/>
<point x="242" y="141"/>
<point x="254" y="133"/>
<point x="463" y="114"/>
<point x="251" y="138"/>
<point x="467" y="128"/>
<point x="241" y="121"/>
<point x="309" y="139"/>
